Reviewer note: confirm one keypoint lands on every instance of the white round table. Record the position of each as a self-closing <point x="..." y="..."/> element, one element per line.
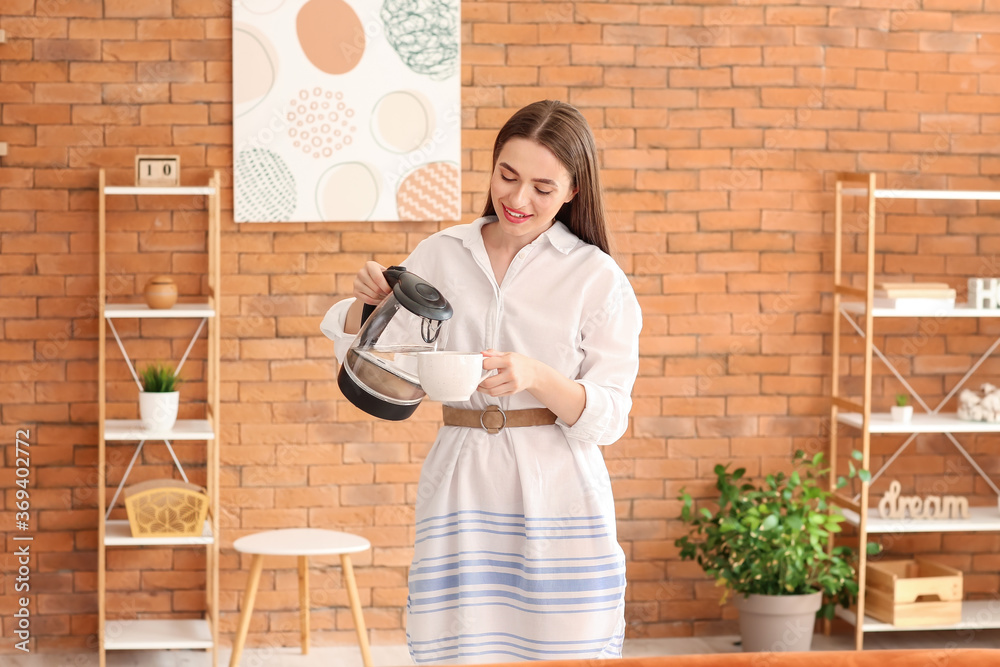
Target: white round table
<point x="301" y="542"/>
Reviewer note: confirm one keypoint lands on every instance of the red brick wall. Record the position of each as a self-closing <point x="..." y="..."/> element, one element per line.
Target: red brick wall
<point x="719" y="125"/>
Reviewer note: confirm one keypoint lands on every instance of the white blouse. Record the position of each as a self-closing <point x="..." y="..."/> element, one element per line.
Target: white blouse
<point x="562" y="301"/>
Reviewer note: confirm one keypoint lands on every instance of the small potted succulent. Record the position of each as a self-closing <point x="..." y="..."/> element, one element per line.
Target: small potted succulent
<point x="159" y="398"/>
<point x="902" y="411"/>
<point x="768" y="545"/>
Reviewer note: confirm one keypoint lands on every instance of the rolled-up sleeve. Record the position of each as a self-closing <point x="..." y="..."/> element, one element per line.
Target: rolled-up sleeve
<point x="332" y="327"/>
<point x="610" y="342"/>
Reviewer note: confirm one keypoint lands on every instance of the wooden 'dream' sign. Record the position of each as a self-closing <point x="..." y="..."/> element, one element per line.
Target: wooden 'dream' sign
<point x="984" y="292"/>
<point x="895" y="506"/>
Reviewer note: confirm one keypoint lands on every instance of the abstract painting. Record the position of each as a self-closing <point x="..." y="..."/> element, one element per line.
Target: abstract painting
<point x="346" y="110"/>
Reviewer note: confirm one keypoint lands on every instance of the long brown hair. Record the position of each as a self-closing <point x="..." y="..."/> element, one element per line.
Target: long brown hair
<point x="564" y="131"/>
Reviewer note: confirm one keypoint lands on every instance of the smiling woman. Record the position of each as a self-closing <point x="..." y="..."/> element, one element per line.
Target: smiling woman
<point x="528" y="188"/>
<point x="563" y="134"/>
<point x="516" y="553"/>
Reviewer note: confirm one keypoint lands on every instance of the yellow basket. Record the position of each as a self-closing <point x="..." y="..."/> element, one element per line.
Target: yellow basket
<point x="166" y="508"/>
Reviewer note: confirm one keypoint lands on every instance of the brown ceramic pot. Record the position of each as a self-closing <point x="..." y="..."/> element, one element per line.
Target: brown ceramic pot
<point x="161" y="292"/>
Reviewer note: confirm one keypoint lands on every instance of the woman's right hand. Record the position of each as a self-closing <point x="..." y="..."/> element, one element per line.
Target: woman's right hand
<point x="370" y="286"/>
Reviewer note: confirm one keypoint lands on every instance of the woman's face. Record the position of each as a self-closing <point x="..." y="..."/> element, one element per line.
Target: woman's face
<point x="528" y="188"/>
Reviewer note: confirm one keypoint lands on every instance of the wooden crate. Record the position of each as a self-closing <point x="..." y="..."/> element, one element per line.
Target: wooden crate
<point x="909" y="593"/>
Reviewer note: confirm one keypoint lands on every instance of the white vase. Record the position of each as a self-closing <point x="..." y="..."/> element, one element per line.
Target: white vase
<point x="901" y="413"/>
<point x="158" y="410"/>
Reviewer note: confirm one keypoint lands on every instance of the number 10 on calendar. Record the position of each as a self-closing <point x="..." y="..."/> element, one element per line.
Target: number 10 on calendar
<point x="157" y="170"/>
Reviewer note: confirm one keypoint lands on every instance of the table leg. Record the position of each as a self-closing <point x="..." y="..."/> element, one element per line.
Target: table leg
<point x="248" y="600"/>
<point x="359" y="619"/>
<point x="304" y="602"/>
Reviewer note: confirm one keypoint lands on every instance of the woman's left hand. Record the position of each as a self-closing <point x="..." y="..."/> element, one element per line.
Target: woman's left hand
<point x="515" y="372"/>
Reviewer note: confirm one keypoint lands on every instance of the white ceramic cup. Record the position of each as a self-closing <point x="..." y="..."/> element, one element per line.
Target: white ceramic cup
<point x="449" y="376"/>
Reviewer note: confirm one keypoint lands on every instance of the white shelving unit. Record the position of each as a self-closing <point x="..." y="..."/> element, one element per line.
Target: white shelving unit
<point x="124" y="311"/>
<point x="184" y="429"/>
<point x="976" y="615"/>
<point x="858" y="308"/>
<point x="942" y="422"/>
<point x="981" y="520"/>
<point x="855" y="305"/>
<point x="974" y="195"/>
<point x="118" y="534"/>
<point x="159" y="634"/>
<point x="171" y="191"/>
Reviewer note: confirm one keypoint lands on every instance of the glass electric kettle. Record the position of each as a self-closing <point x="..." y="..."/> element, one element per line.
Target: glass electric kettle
<point x="379" y="374"/>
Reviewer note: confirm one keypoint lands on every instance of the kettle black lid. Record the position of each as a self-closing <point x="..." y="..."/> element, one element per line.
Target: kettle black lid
<point x="419" y="296"/>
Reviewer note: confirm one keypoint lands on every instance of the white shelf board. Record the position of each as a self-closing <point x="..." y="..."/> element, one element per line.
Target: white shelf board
<point x="144" y="635"/>
<point x="161" y="190"/>
<point x="960" y="310"/>
<point x="981" y="519"/>
<point x="118" y="534"/>
<point x="184" y="429"/>
<point x="976" y="615"/>
<point x="984" y="195"/>
<point x="942" y="422"/>
<point x="141" y="310"/>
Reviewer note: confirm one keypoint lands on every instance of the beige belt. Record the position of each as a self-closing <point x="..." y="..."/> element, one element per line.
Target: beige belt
<point x="493" y="419"/>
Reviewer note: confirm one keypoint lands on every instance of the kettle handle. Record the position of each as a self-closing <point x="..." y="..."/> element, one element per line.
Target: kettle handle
<point x="392" y="277"/>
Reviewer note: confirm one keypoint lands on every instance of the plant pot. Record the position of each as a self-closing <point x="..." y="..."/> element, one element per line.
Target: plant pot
<point x="779" y="623"/>
<point x="901" y="413"/>
<point x="158" y="410"/>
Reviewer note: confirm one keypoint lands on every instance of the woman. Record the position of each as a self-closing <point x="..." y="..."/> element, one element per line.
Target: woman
<point x="516" y="555"/>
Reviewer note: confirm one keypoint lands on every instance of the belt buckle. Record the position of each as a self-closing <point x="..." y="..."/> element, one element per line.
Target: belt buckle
<point x="493" y="430"/>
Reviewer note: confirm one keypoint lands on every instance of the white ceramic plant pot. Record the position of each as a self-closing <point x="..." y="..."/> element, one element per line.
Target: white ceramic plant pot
<point x="901" y="413"/>
<point x="158" y="410"/>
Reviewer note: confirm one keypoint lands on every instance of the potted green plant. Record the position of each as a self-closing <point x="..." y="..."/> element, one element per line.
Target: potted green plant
<point x="902" y="412"/>
<point x="768" y="545"/>
<point x="159" y="398"/>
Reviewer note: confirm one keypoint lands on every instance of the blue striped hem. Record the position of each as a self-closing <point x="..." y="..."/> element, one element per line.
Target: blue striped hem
<point x="465" y="654"/>
<point x="509" y="516"/>
<point x="536" y="651"/>
<point x="515" y="607"/>
<point x="513" y="636"/>
<point x="487" y="562"/>
<point x="522" y="557"/>
<point x="578" y="585"/>
<point x="515" y="534"/>
<point x="597" y="653"/>
<point x="449" y="597"/>
<point x="510" y="525"/>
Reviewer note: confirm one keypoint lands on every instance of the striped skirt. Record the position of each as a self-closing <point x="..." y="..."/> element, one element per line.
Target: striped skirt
<point x="543" y="583"/>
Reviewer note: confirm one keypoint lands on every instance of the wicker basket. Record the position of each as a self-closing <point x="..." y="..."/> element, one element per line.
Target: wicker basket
<point x="166" y="508"/>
